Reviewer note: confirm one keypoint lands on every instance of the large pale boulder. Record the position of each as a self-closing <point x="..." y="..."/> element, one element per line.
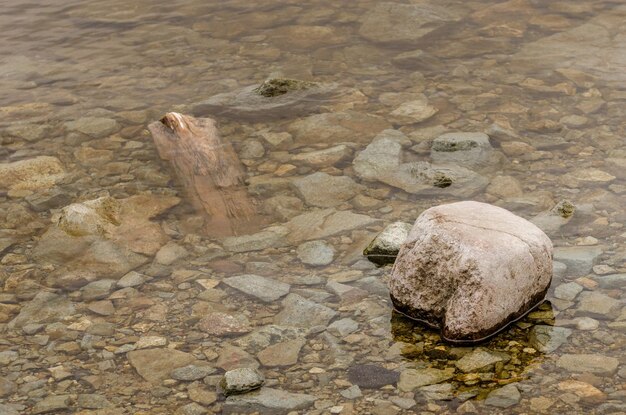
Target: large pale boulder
<point x="470" y="268"/>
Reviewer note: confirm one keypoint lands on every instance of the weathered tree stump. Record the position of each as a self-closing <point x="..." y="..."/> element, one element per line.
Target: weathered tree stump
<point x="209" y="169"/>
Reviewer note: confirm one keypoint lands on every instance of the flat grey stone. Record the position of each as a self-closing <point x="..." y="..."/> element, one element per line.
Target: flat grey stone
<point x="480" y="360"/>
<point x="437" y="392"/>
<point x="265" y="289"/>
<point x="316" y="253"/>
<point x="192" y="372"/>
<point x="322" y="224"/>
<point x="504" y="397"/>
<point x="154" y="365"/>
<point x="192" y="409"/>
<point x="269" y="238"/>
<point x="578" y="259"/>
<point x="267" y="401"/>
<point x="591" y="363"/>
<point x="401" y="23"/>
<point x="93" y="126"/>
<point x="52" y="403"/>
<point x="612" y="281"/>
<point x="411" y="379"/>
<point x="352" y="392"/>
<point x="92" y="401"/>
<point x="547" y="339"/>
<point x="343" y="327"/>
<point x="132" y="279"/>
<point x="300" y="312"/>
<point x="323" y="190"/>
<point x="97" y="290"/>
<point x="44" y="308"/>
<point x="598" y="305"/>
<point x="567" y="291"/>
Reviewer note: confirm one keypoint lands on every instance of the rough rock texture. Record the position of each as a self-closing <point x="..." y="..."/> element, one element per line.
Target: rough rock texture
<point x="323" y="190"/>
<point x="270" y="99"/>
<point x="156" y="364"/>
<point x="382" y="160"/>
<point x="31" y="174"/>
<point x="241" y="380"/>
<point x="107" y="236"/>
<point x="470" y="268"/>
<point x="267" y="401"/>
<point x="385" y="247"/>
<point x="465" y="149"/>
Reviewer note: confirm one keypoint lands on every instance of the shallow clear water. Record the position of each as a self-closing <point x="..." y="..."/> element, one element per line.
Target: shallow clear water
<point x="81" y="81"/>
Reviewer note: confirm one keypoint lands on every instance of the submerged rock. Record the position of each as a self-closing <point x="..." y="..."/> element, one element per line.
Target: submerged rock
<point x="405" y="23"/>
<point x="107" y="236"/>
<point x="241" y="380"/>
<point x="470" y="268"/>
<point x="267" y="401"/>
<point x="547" y="339"/>
<point x="31" y="174"/>
<point x="274" y="98"/>
<point x="323" y="190"/>
<point x="385" y="247"/>
<point x="464" y="149"/>
<point x="382" y="161"/>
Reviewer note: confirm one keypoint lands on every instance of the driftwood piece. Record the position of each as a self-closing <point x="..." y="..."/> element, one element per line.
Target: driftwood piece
<point x="208" y="168"/>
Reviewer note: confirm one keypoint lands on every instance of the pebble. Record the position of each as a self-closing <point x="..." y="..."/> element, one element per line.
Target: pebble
<point x="370" y="376"/>
<point x="567" y="291"/>
<point x="264" y="289"/>
<point x="222" y="324"/>
<point x="156" y="364"/>
<point x="343" y="327"/>
<point x="353" y="392"/>
<point x="300" y="312"/>
<point x="323" y="190"/>
<point x="480" y="360"/>
<point x="281" y="354"/>
<point x="191" y="372"/>
<point x="578" y="259"/>
<point x="411" y="379"/>
<point x="547" y="339"/>
<point x="503" y="397"/>
<point x="316" y="253"/>
<point x="52" y="403"/>
<point x="132" y="279"/>
<point x="268" y="400"/>
<point x="597" y="305"/>
<point x="591" y="363"/>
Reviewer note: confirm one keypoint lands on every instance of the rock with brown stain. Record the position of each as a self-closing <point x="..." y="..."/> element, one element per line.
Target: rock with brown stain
<point x="470" y="269"/>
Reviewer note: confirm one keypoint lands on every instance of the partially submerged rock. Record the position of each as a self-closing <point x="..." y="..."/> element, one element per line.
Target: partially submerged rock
<point x="470" y="269"/>
<point x="385" y="247"/>
<point x="382" y="161"/>
<point x="465" y="149"/>
<point x="274" y="98"/>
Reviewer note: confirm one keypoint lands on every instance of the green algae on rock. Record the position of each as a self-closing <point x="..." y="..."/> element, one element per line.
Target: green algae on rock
<point x="278" y="86"/>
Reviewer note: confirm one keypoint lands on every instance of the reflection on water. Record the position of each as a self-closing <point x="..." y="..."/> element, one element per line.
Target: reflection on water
<point x="110" y="281"/>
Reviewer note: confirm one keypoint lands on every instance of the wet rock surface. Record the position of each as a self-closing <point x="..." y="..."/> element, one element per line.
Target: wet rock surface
<point x="454" y="252"/>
